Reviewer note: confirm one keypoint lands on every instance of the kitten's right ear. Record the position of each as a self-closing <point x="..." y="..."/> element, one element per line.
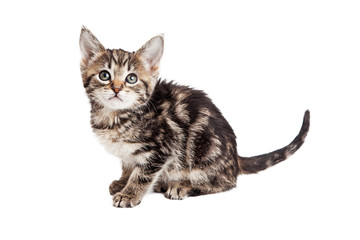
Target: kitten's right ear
<point x="89" y="45"/>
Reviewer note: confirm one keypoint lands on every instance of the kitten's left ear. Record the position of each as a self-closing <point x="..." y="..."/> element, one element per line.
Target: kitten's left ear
<point x="151" y="53"/>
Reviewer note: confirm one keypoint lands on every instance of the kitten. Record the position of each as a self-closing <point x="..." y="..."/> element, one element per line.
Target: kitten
<point x="171" y="138"/>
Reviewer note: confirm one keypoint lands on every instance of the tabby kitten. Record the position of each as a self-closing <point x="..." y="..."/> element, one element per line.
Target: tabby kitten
<point x="171" y="138"/>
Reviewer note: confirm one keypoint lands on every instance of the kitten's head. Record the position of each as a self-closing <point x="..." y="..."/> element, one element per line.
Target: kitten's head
<point x="118" y="79"/>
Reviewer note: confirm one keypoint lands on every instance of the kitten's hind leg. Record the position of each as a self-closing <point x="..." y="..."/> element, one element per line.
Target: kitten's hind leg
<point x="178" y="190"/>
<point x="200" y="186"/>
<point x="213" y="184"/>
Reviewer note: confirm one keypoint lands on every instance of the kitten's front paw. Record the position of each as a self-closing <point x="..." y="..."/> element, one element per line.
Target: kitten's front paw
<point x="115" y="187"/>
<point x="125" y="201"/>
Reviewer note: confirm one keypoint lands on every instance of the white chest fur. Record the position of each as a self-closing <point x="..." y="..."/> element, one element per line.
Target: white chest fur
<point x="121" y="149"/>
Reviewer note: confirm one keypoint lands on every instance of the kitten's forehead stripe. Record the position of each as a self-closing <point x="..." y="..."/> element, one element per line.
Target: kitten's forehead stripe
<point x="110" y="58"/>
<point x="126" y="64"/>
<point x="125" y="59"/>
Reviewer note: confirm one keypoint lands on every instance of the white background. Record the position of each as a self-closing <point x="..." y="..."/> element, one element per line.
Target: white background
<point x="262" y="62"/>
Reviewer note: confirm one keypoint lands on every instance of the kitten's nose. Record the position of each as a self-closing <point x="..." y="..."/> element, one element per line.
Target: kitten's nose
<point x="116" y="90"/>
<point x="116" y="86"/>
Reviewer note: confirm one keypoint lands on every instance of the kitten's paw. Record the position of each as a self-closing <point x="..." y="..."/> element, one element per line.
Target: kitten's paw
<point x="115" y="187"/>
<point x="125" y="201"/>
<point x="177" y="192"/>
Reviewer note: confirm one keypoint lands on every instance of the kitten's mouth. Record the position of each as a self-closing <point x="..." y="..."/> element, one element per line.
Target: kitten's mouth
<point x="116" y="98"/>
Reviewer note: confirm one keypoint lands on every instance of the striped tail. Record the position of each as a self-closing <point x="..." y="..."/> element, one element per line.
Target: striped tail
<point x="258" y="163"/>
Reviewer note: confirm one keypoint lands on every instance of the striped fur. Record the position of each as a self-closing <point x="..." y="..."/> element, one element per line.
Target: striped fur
<point x="170" y="138"/>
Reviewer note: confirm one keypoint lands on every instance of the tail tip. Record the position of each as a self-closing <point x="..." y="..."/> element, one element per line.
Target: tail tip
<point x="306" y="125"/>
<point x="307" y="117"/>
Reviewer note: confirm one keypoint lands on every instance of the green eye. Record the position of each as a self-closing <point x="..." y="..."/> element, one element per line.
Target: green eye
<point x="131" y="78"/>
<point x="104" y="75"/>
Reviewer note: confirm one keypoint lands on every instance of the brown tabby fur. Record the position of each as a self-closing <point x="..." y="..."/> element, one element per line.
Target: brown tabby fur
<point x="171" y="138"/>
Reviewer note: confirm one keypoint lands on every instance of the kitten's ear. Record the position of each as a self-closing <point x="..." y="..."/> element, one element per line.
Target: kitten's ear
<point x="89" y="45"/>
<point x="151" y="53"/>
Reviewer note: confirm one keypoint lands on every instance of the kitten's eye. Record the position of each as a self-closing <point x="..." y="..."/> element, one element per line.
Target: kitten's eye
<point x="104" y="75"/>
<point x="131" y="78"/>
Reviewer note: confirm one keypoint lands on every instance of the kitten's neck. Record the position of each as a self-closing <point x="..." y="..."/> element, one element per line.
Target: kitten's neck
<point x="103" y="117"/>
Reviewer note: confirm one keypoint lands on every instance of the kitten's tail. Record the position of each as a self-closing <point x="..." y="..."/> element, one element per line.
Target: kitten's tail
<point x="255" y="164"/>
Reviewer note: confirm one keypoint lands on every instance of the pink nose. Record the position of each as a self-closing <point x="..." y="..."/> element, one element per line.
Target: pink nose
<point x="116" y="90"/>
<point x="116" y="87"/>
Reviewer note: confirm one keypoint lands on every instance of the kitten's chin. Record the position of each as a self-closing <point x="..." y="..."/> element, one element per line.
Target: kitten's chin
<point x="116" y="103"/>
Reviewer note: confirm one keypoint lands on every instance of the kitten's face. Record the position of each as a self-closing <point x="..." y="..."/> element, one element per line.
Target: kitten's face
<point x="117" y="79"/>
